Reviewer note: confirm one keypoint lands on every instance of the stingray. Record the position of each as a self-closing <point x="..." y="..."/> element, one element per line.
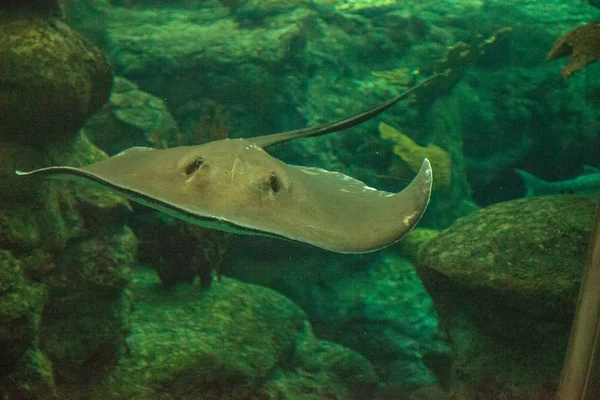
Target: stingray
<point x="235" y="185"/>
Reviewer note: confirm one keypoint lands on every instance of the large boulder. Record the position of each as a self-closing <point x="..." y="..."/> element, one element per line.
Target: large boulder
<point x="192" y="58"/>
<point x="177" y="250"/>
<point x="232" y="341"/>
<point x="64" y="250"/>
<point x="39" y="6"/>
<point x="65" y="259"/>
<point x="86" y="316"/>
<point x="20" y="306"/>
<point x="373" y="304"/>
<point x="504" y="281"/>
<point x="51" y="79"/>
<point x="132" y="118"/>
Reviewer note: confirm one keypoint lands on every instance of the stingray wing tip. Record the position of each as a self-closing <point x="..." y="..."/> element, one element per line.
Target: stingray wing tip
<point x="416" y="197"/>
<point x="423" y="182"/>
<point x="427" y="170"/>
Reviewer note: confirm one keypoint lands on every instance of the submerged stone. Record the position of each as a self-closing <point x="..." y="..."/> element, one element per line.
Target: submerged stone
<point x="504" y="281"/>
<point x="235" y="340"/>
<point x="133" y="118"/>
<point x="527" y="254"/>
<point x="52" y="79"/>
<point x="87" y="292"/>
<point x="20" y="306"/>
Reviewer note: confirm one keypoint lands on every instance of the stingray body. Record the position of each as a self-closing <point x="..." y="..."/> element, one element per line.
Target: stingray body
<point x="235" y="185"/>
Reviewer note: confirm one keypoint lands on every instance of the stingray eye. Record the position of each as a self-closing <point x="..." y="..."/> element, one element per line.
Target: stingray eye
<point x="194" y="166"/>
<point x="274" y="182"/>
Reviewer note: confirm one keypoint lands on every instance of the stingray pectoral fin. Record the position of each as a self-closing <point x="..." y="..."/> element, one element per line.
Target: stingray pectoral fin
<point x="414" y="199"/>
<point x="63" y="173"/>
<point x="346" y="216"/>
<point x="401" y="213"/>
<point x="325" y="209"/>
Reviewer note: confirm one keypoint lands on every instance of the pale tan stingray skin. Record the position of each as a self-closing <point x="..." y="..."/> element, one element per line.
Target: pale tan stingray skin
<point x="234" y="185"/>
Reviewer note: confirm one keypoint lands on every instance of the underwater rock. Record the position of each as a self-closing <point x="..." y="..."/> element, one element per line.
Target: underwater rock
<point x="87" y="17"/>
<point x="85" y="320"/>
<point x="259" y="9"/>
<point x="20" y="307"/>
<point x="430" y="393"/>
<point x="582" y="45"/>
<point x="412" y="242"/>
<point x="235" y="340"/>
<point x="189" y="60"/>
<point x="504" y="281"/>
<point x="46" y="215"/>
<point x="34" y="214"/>
<point x="373" y="304"/>
<point x="177" y="250"/>
<point x="39" y="7"/>
<point x="132" y="118"/>
<point x="369" y="7"/>
<point x="97" y="209"/>
<point x="32" y="380"/>
<point x="52" y="79"/>
<point x="14" y="156"/>
<point x="178" y="42"/>
<point x="412" y="155"/>
<point x="461" y="55"/>
<point x="43" y="225"/>
<point x="529" y="252"/>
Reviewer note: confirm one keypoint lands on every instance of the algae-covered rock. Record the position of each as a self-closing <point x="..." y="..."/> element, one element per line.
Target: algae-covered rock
<point x="324" y="370"/>
<point x="34" y="213"/>
<point x="213" y="60"/>
<point x="73" y="262"/>
<point x="133" y="118"/>
<point x="527" y="254"/>
<point x="32" y="380"/>
<point x="179" y="251"/>
<point x="22" y="157"/>
<point x="264" y="8"/>
<point x="374" y="304"/>
<point x="411" y="243"/>
<point x="504" y="281"/>
<point x="63" y="308"/>
<point x="175" y="38"/>
<point x="48" y="221"/>
<point x="235" y="340"/>
<point x="85" y="320"/>
<point x="46" y="214"/>
<point x="40" y="7"/>
<point x="411" y="156"/>
<point x="70" y="238"/>
<point x="51" y="80"/>
<point x="99" y="263"/>
<point x="20" y="306"/>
